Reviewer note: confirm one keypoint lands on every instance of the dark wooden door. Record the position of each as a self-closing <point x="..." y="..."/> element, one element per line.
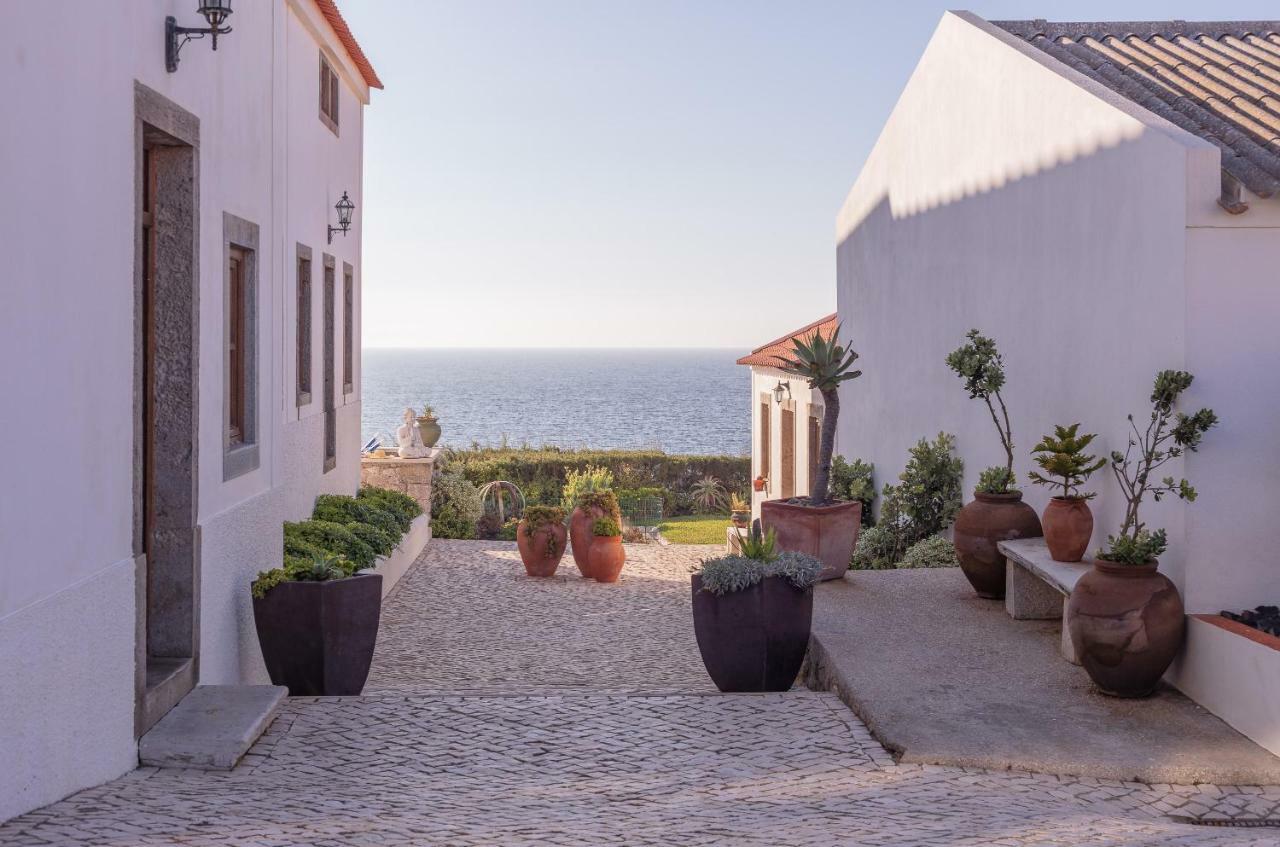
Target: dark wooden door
<point x="788" y="453"/>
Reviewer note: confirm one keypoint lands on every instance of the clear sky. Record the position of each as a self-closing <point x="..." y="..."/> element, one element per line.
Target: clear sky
<point x="653" y="173"/>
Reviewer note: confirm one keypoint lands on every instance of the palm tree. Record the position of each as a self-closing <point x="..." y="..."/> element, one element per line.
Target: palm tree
<point x="825" y="364"/>
<point x="708" y="494"/>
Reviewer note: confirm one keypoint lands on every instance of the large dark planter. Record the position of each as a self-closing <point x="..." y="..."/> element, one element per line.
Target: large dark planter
<point x="1127" y="624"/>
<point x="317" y="638"/>
<point x="981" y="524"/>
<point x="828" y="533"/>
<point x="755" y="639"/>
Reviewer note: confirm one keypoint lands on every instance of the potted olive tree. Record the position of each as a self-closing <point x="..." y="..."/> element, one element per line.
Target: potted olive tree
<point x="818" y="525"/>
<point x="751" y="614"/>
<point x="1125" y="618"/>
<point x="1067" y="521"/>
<point x="541" y="538"/>
<point x="996" y="512"/>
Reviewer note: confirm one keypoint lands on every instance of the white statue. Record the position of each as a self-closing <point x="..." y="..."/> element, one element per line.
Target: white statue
<point x="409" y="437"/>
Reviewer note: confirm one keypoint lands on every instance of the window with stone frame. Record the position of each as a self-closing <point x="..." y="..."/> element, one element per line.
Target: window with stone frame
<point x="329" y="89"/>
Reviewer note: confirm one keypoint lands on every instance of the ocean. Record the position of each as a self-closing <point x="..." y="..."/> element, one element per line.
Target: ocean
<point x="681" y="401"/>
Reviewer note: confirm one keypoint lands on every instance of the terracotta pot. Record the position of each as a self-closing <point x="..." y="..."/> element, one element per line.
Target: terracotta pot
<point x="754" y="639"/>
<point x="1127" y="625"/>
<point x="317" y="638"/>
<point x="542" y="551"/>
<point x="429" y="428"/>
<point x="607" y="557"/>
<point x="580" y="524"/>
<point x="984" y="521"/>
<point x="1068" y="526"/>
<point x="828" y="533"/>
<point x="758" y="483"/>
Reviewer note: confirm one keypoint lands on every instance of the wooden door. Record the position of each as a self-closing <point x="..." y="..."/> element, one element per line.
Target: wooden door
<point x="788" y="453"/>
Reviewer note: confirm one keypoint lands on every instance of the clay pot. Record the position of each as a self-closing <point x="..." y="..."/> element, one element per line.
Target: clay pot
<point x="542" y="551"/>
<point x="984" y="521"/>
<point x="828" y="533"/>
<point x="1127" y="624"/>
<point x="606" y="557"/>
<point x="758" y="483"/>
<point x="1068" y="526"/>
<point x="429" y="428"/>
<point x="580" y="524"/>
<point x="754" y="639"/>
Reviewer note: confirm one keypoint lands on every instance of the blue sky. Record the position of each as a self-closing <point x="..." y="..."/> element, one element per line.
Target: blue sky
<point x="640" y="174"/>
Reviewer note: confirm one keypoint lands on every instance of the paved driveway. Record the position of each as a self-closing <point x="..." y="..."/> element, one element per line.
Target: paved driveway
<point x="506" y="711"/>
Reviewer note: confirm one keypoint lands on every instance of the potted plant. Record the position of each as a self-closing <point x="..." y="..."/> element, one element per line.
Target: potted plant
<point x="1067" y="521"/>
<point x="317" y="623"/>
<point x="759" y="483"/>
<point x="429" y="427"/>
<point x="589" y="508"/>
<point x="996" y="512"/>
<point x="540" y="537"/>
<point x="606" y="554"/>
<point x="752" y="613"/>
<point x="1125" y="618"/>
<point x="818" y="524"/>
<point x="739" y="511"/>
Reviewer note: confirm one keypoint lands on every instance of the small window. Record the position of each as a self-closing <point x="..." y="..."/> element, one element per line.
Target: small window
<point x="348" y="330"/>
<point x="239" y="345"/>
<point x="329" y="89"/>
<point x="303" y="342"/>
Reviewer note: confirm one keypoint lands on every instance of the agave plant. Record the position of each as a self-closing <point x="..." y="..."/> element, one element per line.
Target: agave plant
<point x="825" y="363"/>
<point x="708" y="494"/>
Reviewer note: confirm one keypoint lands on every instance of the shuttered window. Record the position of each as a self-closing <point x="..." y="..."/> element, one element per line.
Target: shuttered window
<point x="329" y="89"/>
<point x="236" y="372"/>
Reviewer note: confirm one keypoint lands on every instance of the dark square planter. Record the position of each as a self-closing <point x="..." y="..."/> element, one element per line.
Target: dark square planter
<point x="317" y="638"/>
<point x="754" y="639"/>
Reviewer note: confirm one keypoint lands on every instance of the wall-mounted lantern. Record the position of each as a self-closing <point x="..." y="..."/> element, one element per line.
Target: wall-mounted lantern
<point x="780" y="389"/>
<point x="345" y="207"/>
<point x="215" y="12"/>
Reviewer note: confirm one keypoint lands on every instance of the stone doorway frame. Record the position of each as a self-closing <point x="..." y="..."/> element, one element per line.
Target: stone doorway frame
<point x="167" y="639"/>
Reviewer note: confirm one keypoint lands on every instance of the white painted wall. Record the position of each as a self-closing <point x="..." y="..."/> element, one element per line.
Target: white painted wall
<point x="1008" y="193"/>
<point x="763" y="381"/>
<point x="67" y="584"/>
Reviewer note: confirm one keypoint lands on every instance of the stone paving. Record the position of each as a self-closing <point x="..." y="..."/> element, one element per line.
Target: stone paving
<point x="507" y="711"/>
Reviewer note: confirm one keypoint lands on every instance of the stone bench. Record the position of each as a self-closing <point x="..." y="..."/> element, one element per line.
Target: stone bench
<point x="1036" y="587"/>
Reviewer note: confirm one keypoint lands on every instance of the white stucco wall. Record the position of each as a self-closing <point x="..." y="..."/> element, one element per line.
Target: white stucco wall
<point x="67" y="323"/>
<point x="763" y="381"/>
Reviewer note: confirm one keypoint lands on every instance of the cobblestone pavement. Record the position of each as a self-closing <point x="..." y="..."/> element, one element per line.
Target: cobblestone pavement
<point x="519" y="745"/>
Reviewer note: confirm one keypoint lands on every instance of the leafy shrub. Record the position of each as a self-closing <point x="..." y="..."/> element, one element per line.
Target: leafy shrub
<point x="726" y="574"/>
<point x="602" y="499"/>
<point x="333" y="538"/>
<point x="709" y="496"/>
<point x="383" y="543"/>
<point x="508" y="530"/>
<point x="932" y="552"/>
<point x="996" y="479"/>
<point x="404" y="507"/>
<point x="981" y="366"/>
<point x="606" y="528"/>
<point x="762" y="548"/>
<point x="579" y="482"/>
<point x="930" y="487"/>
<point x="854" y="481"/>
<point x="339" y="508"/>
<point x="320" y="567"/>
<point x="879" y="547"/>
<point x="1137" y="549"/>
<point x="455" y="506"/>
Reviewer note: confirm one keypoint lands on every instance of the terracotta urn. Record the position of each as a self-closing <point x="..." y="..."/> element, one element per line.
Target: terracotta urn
<point x="1068" y="526"/>
<point x="981" y="524"/>
<point x="828" y="533"/>
<point x="1127" y="625"/>
<point x="580" y="523"/>
<point x="541" y="550"/>
<point x="606" y="557"/>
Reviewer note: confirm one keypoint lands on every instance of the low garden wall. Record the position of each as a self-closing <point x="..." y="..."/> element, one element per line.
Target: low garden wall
<point x="394" y="566"/>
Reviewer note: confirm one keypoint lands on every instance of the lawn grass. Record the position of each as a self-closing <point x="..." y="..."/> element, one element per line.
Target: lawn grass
<point x="694" y="529"/>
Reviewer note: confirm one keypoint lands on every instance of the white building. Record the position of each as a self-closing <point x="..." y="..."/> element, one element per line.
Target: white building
<point x="183" y="349"/>
<point x="1096" y="197"/>
<point x="786" y="419"/>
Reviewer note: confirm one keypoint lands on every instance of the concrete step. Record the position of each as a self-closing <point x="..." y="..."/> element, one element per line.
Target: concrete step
<point x="212" y="727"/>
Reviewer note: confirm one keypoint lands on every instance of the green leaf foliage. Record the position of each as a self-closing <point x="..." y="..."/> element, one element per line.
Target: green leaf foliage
<point x="332" y="538"/>
<point x="821" y="360"/>
<point x="980" y="365"/>
<point x="932" y="552"/>
<point x="996" y="480"/>
<point x="382" y="542"/>
<point x="1139" y="549"/>
<point x="727" y="574"/>
<point x="339" y="508"/>
<point x="930" y="487"/>
<point x="584" y="481"/>
<point x="606" y="528"/>
<point x="855" y="481"/>
<point x="396" y="502"/>
<point x="455" y="505"/>
<point x="709" y="495"/>
<point x="761" y="547"/>
<point x="1063" y="459"/>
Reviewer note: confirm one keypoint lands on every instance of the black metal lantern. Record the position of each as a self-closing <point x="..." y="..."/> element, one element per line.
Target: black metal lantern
<point x="345" y="207"/>
<point x="215" y="12"/>
<point x="779" y="389"/>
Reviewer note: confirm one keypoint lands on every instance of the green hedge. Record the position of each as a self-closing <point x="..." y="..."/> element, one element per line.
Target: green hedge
<point x="540" y="473"/>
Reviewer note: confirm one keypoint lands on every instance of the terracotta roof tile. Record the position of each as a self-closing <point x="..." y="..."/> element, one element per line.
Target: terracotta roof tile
<point x="1217" y="80"/>
<point x="329" y="9"/>
<point x="770" y="355"/>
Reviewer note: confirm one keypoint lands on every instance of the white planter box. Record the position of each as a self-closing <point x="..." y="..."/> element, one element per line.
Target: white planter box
<point x="1233" y="671"/>
<point x="394" y="566"/>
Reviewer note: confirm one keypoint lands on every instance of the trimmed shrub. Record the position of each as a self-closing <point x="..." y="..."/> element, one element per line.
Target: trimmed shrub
<point x="933" y="552"/>
<point x="382" y="542"/>
<point x="339" y="508"/>
<point x="455" y="506"/>
<point x="404" y="507"/>
<point x="930" y="487"/>
<point x="855" y="481"/>
<point x="333" y="538"/>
